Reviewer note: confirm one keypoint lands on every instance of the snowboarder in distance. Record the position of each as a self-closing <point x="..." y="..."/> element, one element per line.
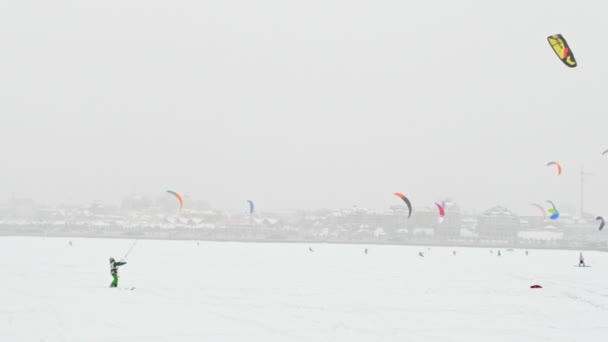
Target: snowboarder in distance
<point x="526" y="252"/>
<point x="114" y="271"/>
<point x="421" y="254"/>
<point x="366" y="251"/>
<point x="498" y="253"/>
<point x="581" y="260"/>
<point x="454" y="252"/>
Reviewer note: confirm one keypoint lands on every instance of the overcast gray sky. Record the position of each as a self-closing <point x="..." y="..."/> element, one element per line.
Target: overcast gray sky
<point x="302" y="104"/>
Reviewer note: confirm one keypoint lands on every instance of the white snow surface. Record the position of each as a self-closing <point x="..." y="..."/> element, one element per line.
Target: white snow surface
<point x="189" y="291"/>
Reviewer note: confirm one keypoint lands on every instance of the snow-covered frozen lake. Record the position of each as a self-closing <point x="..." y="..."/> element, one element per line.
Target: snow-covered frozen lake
<point x="185" y="291"/>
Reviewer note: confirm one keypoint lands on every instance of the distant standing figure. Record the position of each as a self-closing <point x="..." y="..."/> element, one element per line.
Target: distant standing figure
<point x="70" y="243"/>
<point x="454" y="252"/>
<point x="581" y="260"/>
<point x="114" y="271"/>
<point x="498" y="253"/>
<point x="366" y="251"/>
<point x="491" y="251"/>
<point x="526" y="252"/>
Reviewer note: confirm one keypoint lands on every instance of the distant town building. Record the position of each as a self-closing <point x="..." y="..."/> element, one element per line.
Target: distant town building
<point x="498" y="224"/>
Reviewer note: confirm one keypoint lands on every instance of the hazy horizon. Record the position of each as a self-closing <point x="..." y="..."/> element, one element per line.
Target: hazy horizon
<point x="322" y="104"/>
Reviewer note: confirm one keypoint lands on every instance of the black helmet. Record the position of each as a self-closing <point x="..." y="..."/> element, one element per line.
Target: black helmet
<point x="111" y="259"/>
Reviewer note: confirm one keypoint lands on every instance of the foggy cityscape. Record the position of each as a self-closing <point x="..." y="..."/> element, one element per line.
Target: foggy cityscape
<point x="160" y="217"/>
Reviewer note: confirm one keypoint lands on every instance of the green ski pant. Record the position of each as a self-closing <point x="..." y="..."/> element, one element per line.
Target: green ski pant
<point x="115" y="281"/>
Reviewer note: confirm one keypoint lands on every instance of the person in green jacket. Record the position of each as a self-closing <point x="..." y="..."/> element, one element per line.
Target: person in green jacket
<point x="114" y="270"/>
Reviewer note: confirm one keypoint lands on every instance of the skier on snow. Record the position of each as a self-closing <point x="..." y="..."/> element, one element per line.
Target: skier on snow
<point x="114" y="271"/>
<point x="581" y="260"/>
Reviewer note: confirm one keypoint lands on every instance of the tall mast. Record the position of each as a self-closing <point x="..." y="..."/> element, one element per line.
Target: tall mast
<point x="582" y="193"/>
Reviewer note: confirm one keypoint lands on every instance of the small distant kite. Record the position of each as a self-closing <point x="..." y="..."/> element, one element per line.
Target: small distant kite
<point x="251" y="206"/>
<point x="604" y="153"/>
<point x="562" y="50"/>
<point x="553" y="211"/>
<point x="441" y="208"/>
<point x="559" y="167"/>
<point x="407" y="202"/>
<point x="542" y="210"/>
<point x="602" y="222"/>
<point x="179" y="198"/>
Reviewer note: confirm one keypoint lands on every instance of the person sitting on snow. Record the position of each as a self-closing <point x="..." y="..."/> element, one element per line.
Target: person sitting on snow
<point x="581" y="260"/>
<point x="114" y="271"/>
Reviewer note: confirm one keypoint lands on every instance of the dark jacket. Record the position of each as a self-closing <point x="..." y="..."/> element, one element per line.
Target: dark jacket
<point x="114" y="266"/>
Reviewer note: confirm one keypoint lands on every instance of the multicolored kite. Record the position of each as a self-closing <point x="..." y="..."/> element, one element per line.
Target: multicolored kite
<point x="542" y="210"/>
<point x="407" y="202"/>
<point x="559" y="167"/>
<point x="553" y="211"/>
<point x="179" y="198"/>
<point x="441" y="208"/>
<point x="562" y="50"/>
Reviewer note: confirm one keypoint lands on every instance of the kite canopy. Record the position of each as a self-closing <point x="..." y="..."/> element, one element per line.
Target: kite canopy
<point x="251" y="206"/>
<point x="553" y="211"/>
<point x="407" y="202"/>
<point x="602" y="222"/>
<point x="559" y="167"/>
<point x="179" y="198"/>
<point x="542" y="210"/>
<point x="604" y="153"/>
<point x="562" y="50"/>
<point x="441" y="208"/>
